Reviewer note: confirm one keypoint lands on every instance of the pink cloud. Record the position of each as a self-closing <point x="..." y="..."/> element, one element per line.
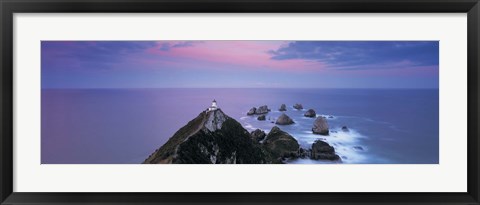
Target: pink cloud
<point x="247" y="54"/>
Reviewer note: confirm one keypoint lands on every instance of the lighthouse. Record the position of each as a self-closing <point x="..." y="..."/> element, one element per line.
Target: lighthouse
<point x="213" y="106"/>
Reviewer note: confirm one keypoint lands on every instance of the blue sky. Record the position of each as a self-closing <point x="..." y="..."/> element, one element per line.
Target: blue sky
<point x="225" y="64"/>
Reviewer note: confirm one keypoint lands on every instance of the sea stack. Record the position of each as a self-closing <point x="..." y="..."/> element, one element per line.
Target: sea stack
<point x="310" y="113"/>
<point x="281" y="144"/>
<point x="320" y="126"/>
<point x="283" y="108"/>
<point x="262" y="110"/>
<point x="284" y="120"/>
<point x="322" y="150"/>
<point x="261" y="118"/>
<point x="252" y="111"/>
<point x="298" y="106"/>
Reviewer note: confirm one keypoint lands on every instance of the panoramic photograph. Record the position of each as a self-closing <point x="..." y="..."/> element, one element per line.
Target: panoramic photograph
<point x="240" y="102"/>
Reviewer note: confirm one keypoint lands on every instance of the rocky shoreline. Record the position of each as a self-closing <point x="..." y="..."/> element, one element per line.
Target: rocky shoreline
<point x="320" y="150"/>
<point x="215" y="138"/>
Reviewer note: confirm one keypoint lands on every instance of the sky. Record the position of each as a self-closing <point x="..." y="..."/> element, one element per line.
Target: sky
<point x="240" y="64"/>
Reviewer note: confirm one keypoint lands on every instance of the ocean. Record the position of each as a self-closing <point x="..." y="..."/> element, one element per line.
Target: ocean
<point x="124" y="126"/>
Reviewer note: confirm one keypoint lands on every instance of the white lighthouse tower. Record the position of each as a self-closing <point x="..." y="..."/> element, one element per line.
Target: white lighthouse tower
<point x="213" y="106"/>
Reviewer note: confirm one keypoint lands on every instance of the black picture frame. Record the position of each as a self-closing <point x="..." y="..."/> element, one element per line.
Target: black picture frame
<point x="10" y="7"/>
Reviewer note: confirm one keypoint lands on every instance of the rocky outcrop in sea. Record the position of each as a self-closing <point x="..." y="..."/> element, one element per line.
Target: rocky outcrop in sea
<point x="320" y="126"/>
<point x="258" y="111"/>
<point x="283" y="108"/>
<point x="261" y="118"/>
<point x="281" y="145"/>
<point x="252" y="111"/>
<point x="284" y="120"/>
<point x="310" y="113"/>
<point x="298" y="106"/>
<point x="322" y="150"/>
<point x="262" y="110"/>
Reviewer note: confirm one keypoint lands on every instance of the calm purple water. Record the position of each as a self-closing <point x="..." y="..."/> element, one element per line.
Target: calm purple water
<point x="118" y="126"/>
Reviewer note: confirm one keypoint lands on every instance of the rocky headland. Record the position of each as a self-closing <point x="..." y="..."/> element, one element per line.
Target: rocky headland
<point x="215" y="138"/>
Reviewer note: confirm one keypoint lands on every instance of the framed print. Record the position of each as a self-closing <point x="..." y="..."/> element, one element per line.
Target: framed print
<point x="239" y="102"/>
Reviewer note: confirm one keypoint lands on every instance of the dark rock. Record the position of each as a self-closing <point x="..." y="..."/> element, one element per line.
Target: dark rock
<point x="310" y="113"/>
<point x="320" y="126"/>
<point x="358" y="148"/>
<point x="298" y="106"/>
<point x="330" y="116"/>
<point x="302" y="153"/>
<point x="284" y="120"/>
<point x="345" y="129"/>
<point x="283" y="107"/>
<point x="258" y="135"/>
<point x="280" y="144"/>
<point x="211" y="138"/>
<point x="261" y="118"/>
<point x="262" y="110"/>
<point x="252" y="111"/>
<point x="322" y="150"/>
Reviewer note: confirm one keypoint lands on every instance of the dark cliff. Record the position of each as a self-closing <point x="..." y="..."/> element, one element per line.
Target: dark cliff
<point x="211" y="138"/>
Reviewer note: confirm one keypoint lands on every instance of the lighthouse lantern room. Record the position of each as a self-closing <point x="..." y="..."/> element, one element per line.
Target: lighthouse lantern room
<point x="213" y="106"/>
